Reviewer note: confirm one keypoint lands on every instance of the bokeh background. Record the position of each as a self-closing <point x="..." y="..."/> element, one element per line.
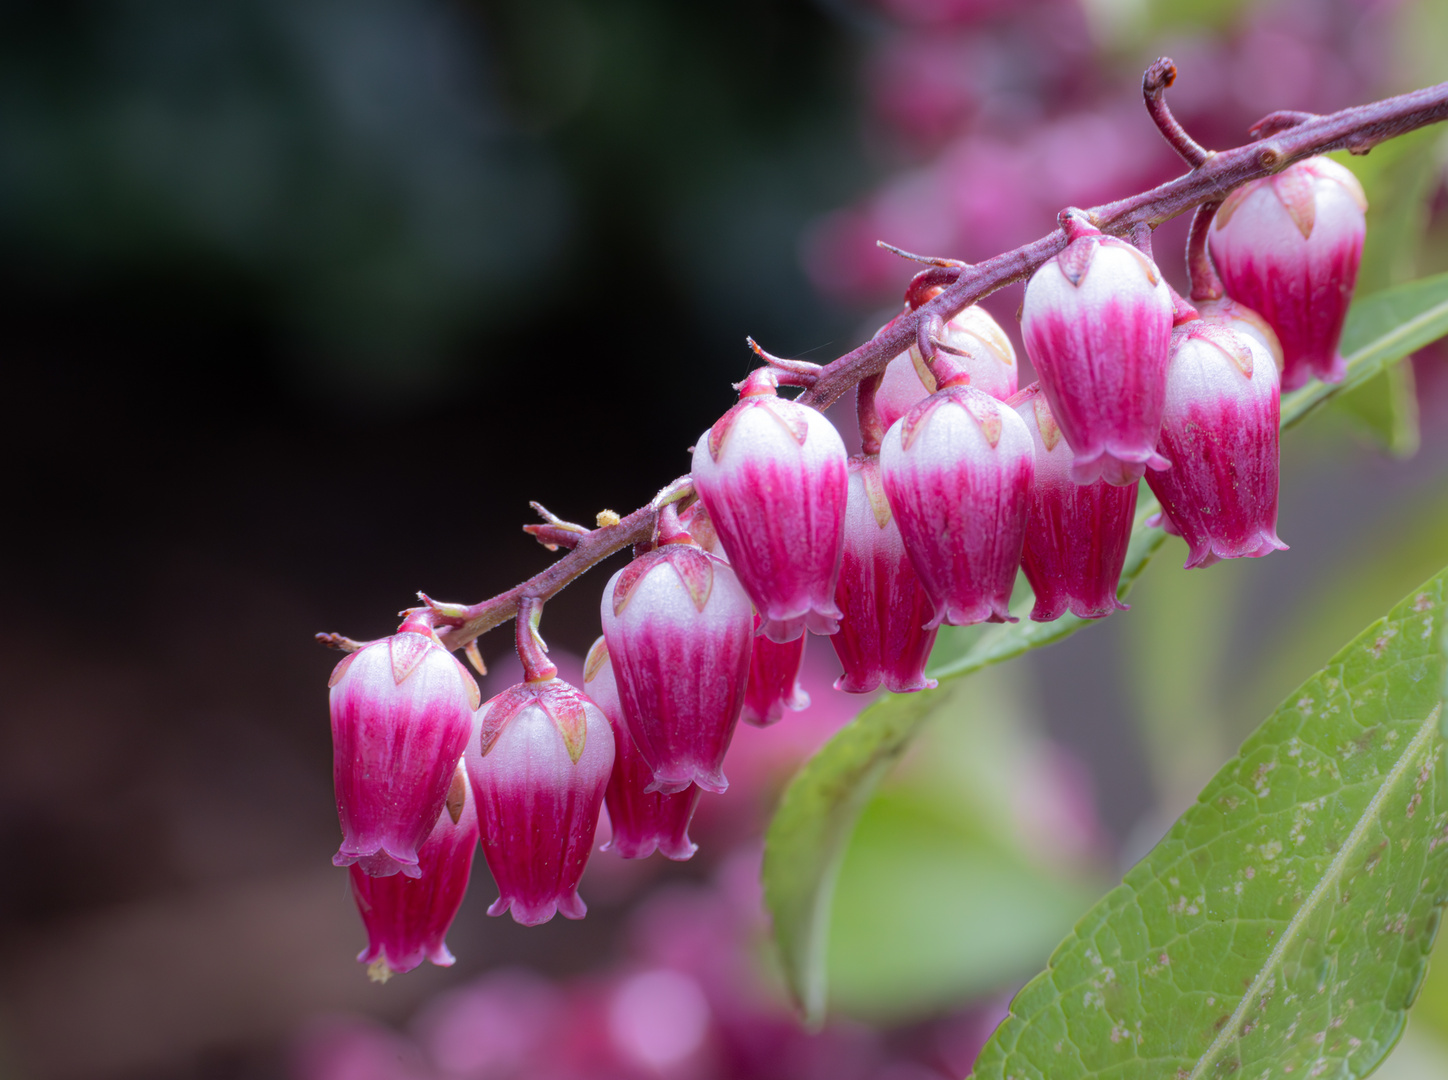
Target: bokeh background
<point x="302" y="300"/>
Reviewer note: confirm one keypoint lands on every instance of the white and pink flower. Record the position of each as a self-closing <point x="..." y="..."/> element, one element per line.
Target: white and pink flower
<point x="643" y="821"/>
<point x="679" y="629"/>
<point x="1288" y="246"/>
<point x="1221" y="430"/>
<point x="957" y="473"/>
<point x="1076" y="534"/>
<point x="538" y="764"/>
<point x="407" y="919"/>
<point x="882" y="638"/>
<point x="771" y="474"/>
<point x="1097" y="323"/>
<point x="402" y="710"/>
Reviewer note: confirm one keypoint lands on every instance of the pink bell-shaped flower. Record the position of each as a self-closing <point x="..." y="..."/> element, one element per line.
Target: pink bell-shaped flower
<point x="407" y="919"/>
<point x="402" y="710"/>
<point x="774" y="680"/>
<point x="771" y="474"/>
<point x="643" y="821"/>
<point x="1097" y="324"/>
<point x="679" y="629"/>
<point x="1076" y="534"/>
<point x="984" y="352"/>
<point x="1288" y="246"/>
<point x="538" y="766"/>
<point x="882" y="636"/>
<point x="957" y="473"/>
<point x="1221" y="430"/>
<point x="773" y="668"/>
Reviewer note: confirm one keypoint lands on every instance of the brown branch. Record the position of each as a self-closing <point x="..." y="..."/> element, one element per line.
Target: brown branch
<point x="459" y="624"/>
<point x="1153" y="88"/>
<point x="1357" y="129"/>
<point x="1284" y="139"/>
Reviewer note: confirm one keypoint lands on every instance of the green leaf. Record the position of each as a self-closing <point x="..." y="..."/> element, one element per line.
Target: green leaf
<point x="806" y="840"/>
<point x="972" y="837"/>
<point x="980" y="913"/>
<point x="1399" y="178"/>
<point x="1381" y="329"/>
<point x="1385" y="410"/>
<point x="1282" y="927"/>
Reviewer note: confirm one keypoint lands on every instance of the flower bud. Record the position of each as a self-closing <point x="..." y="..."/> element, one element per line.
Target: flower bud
<point x="771" y="474"/>
<point x="402" y="710"/>
<point x="679" y="629"/>
<point x="538" y="765"/>
<point x="1076" y="534"/>
<point x="773" y="668"/>
<point x="774" y="680"/>
<point x="1221" y="430"/>
<point x="882" y="636"/>
<point x="408" y="918"/>
<point x="1288" y="246"/>
<point x="988" y="357"/>
<point x="643" y="821"/>
<point x="1097" y="325"/>
<point x="957" y="473"/>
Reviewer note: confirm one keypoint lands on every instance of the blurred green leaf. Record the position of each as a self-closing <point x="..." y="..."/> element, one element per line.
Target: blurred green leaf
<point x="930" y="911"/>
<point x="806" y="840"/>
<point x="1285" y="921"/>
<point x="1179" y="635"/>
<point x="1399" y="179"/>
<point x="966" y="868"/>
<point x="1385" y="410"/>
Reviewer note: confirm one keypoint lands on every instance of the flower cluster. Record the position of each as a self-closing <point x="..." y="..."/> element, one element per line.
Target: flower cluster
<point x="964" y="479"/>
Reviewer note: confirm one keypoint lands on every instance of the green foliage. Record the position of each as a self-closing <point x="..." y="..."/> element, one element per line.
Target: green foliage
<point x="1283" y="925"/>
<point x="807" y="839"/>
<point x="1399" y="177"/>
<point x="972" y="837"/>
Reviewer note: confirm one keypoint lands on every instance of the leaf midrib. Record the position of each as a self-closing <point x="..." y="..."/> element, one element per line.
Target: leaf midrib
<point x="1335" y="868"/>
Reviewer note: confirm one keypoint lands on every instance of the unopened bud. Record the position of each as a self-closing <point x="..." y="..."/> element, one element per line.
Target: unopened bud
<point x="402" y="710"/>
<point x="1288" y="246"/>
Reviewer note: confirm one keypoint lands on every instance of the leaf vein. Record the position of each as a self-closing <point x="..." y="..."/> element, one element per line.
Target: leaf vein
<point x="1330" y="878"/>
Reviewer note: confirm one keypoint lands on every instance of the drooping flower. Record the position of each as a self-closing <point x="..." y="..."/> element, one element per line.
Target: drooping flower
<point x="773" y="668"/>
<point x="771" y="474"/>
<point x="1288" y="246"/>
<point x="957" y="473"/>
<point x="538" y="764"/>
<point x="679" y="629"/>
<point x="988" y="358"/>
<point x="882" y="636"/>
<point x="774" y="680"/>
<point x="1076" y="534"/>
<point x="643" y="821"/>
<point x="1097" y="324"/>
<point x="1221" y="430"/>
<point x="407" y="919"/>
<point x="402" y="710"/>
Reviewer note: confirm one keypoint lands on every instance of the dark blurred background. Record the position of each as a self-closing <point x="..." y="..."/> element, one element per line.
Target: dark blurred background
<point x="301" y="301"/>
